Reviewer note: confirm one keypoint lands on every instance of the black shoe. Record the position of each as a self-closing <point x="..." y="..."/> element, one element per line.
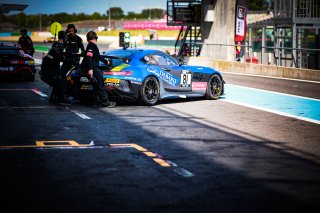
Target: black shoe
<point x="52" y="99"/>
<point x="108" y="104"/>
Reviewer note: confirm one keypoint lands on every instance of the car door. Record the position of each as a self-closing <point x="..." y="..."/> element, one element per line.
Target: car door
<point x="175" y="78"/>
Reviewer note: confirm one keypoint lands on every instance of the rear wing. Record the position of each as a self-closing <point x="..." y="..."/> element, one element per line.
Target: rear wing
<point x="124" y="59"/>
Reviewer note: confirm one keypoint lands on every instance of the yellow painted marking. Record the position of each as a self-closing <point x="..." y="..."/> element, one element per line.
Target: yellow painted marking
<point x="71" y="143"/>
<point x="47" y="143"/>
<point x="161" y="162"/>
<point x="120" y="67"/>
<point x="139" y="148"/>
<point x="133" y="145"/>
<point x="150" y="154"/>
<point x="145" y="151"/>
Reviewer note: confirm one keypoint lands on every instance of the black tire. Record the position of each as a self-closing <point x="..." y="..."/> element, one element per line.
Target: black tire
<point x="25" y="76"/>
<point x="149" y="91"/>
<point x="31" y="78"/>
<point x="214" y="87"/>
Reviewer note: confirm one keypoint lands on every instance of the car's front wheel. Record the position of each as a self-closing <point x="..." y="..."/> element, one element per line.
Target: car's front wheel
<point x="214" y="87"/>
<point x="149" y="91"/>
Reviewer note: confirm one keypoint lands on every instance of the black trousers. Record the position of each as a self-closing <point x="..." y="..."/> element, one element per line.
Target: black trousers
<point x="99" y="87"/>
<point x="57" y="93"/>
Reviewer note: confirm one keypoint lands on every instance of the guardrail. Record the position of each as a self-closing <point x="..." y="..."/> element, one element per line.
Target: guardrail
<point x="279" y="53"/>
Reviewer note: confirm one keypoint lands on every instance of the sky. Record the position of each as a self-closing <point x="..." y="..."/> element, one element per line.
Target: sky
<point x="85" y="6"/>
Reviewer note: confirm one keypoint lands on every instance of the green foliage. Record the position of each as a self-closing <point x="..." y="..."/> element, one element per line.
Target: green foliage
<point x="33" y="21"/>
<point x="96" y="16"/>
<point x="116" y="13"/>
<point x="260" y="4"/>
<point x="152" y="13"/>
<point x="133" y="15"/>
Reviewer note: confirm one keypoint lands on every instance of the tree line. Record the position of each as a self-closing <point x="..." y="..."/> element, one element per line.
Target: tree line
<point x="35" y="20"/>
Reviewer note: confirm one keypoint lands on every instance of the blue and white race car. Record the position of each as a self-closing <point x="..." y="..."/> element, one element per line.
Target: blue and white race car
<point x="147" y="76"/>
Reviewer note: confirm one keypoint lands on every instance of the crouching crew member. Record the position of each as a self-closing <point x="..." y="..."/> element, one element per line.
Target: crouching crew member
<point x="90" y="67"/>
<point x="50" y="70"/>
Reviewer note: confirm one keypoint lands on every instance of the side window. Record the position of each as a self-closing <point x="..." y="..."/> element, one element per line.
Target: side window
<point x="161" y="60"/>
<point x="171" y="61"/>
<point x="149" y="59"/>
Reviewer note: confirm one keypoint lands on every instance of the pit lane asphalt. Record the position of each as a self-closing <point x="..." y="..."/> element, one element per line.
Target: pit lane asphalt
<point x="222" y="157"/>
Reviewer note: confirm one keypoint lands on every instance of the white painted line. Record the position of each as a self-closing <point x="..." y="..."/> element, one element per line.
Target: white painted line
<point x="264" y="76"/>
<point x="171" y="163"/>
<point x="39" y="93"/>
<point x="33" y="90"/>
<point x="272" y="111"/>
<point x="13" y="89"/>
<point x="183" y="172"/>
<point x="31" y="107"/>
<point x="54" y="147"/>
<point x="81" y="115"/>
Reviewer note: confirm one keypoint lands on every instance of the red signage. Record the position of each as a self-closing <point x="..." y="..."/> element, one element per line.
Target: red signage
<point x="241" y="22"/>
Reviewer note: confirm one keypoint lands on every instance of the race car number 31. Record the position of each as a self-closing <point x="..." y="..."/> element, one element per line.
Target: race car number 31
<point x="185" y="78"/>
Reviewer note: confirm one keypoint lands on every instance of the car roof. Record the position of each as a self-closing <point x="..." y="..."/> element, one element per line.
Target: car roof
<point x="9" y="48"/>
<point x="7" y="44"/>
<point x="131" y="52"/>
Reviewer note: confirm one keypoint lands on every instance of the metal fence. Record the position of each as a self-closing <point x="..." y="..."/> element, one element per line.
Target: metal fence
<point x="297" y="57"/>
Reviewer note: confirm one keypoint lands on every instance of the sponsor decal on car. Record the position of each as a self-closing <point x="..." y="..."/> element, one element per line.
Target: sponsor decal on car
<point x="199" y="85"/>
<point x="84" y="79"/>
<point x="120" y="67"/>
<point x="7" y="69"/>
<point x="166" y="77"/>
<point x="112" y="80"/>
<point x="86" y="87"/>
<point x="133" y="79"/>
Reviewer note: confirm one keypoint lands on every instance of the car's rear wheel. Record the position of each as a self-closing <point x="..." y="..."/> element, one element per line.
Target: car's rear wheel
<point x="214" y="87"/>
<point x="149" y="91"/>
<point x="25" y="75"/>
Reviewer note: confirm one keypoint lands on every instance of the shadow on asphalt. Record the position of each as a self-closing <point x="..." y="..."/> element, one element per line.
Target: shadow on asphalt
<point x="231" y="173"/>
